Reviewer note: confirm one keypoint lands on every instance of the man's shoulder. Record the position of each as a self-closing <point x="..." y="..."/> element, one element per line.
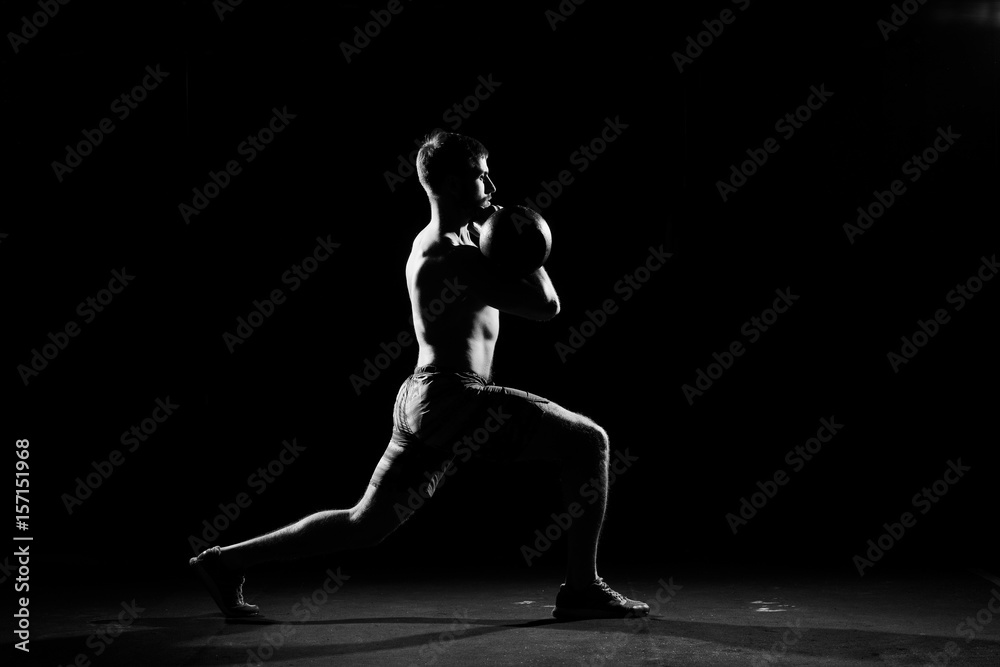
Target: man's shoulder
<point x="428" y="257"/>
<point x="441" y="267"/>
<point x="428" y="251"/>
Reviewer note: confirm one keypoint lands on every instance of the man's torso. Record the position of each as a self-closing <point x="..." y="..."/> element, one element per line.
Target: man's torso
<point x="455" y="330"/>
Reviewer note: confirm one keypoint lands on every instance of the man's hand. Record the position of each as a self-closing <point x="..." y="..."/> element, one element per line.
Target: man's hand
<point x="482" y="214"/>
<point x="477" y="219"/>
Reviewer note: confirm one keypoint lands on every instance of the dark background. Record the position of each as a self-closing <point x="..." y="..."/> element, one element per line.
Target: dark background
<point x="324" y="175"/>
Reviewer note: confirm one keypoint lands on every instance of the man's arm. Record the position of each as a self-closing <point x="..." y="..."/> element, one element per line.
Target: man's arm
<point x="532" y="297"/>
<point x="542" y="284"/>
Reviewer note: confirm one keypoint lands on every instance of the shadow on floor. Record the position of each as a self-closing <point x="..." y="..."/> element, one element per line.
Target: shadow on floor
<point x="213" y="640"/>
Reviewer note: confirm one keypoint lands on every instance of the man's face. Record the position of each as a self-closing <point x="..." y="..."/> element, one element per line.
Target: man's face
<point x="472" y="189"/>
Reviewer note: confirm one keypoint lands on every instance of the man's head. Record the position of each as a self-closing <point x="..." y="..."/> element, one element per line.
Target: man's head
<point x="453" y="167"/>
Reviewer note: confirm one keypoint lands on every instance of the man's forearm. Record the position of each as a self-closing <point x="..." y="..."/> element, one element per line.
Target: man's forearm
<point x="541" y="284"/>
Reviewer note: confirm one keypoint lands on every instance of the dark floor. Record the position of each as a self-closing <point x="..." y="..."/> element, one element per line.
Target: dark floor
<point x="446" y="618"/>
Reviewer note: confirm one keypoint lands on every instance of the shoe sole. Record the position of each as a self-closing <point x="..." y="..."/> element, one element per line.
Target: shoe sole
<point x="581" y="614"/>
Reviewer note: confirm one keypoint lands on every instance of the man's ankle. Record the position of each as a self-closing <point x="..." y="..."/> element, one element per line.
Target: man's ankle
<point x="580" y="583"/>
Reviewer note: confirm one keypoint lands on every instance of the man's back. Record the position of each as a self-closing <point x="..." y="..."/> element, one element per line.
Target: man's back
<point x="455" y="328"/>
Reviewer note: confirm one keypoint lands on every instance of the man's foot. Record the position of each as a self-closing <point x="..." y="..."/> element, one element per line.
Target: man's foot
<point x="223" y="584"/>
<point x="596" y="600"/>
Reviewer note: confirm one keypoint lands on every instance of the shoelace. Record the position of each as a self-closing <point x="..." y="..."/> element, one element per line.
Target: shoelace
<point x="239" y="592"/>
<point x="603" y="585"/>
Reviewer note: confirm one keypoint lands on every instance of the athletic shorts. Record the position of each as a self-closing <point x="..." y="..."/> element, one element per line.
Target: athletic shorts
<point x="444" y="420"/>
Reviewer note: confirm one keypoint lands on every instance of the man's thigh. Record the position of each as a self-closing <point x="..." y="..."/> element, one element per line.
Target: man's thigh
<point x="493" y="423"/>
<point x="559" y="435"/>
<point x="404" y="480"/>
<point x="537" y="429"/>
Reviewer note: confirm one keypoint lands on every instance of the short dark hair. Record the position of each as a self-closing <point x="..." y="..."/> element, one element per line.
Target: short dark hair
<point x="444" y="153"/>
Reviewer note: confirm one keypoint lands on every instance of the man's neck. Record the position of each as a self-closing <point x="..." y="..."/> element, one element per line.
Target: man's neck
<point x="446" y="218"/>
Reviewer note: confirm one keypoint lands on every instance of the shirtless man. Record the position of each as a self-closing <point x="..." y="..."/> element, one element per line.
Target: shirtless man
<point x="447" y="412"/>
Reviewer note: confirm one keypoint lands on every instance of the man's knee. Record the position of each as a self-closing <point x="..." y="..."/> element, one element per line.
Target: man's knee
<point x="594" y="438"/>
<point x="603" y="442"/>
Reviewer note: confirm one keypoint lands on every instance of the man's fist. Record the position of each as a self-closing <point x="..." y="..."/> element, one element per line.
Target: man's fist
<point x="482" y="214"/>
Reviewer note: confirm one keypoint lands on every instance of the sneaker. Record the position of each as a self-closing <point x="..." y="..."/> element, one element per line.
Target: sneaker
<point x="598" y="600"/>
<point x="224" y="585"/>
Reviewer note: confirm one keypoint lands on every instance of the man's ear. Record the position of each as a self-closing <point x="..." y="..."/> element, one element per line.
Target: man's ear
<point x="450" y="186"/>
